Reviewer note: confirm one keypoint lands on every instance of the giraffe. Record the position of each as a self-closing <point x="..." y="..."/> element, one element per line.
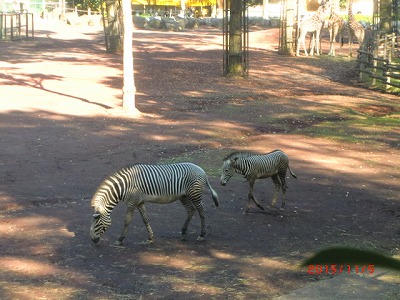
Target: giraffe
<point x="314" y="24"/>
<point x="354" y="29"/>
<point x="335" y="26"/>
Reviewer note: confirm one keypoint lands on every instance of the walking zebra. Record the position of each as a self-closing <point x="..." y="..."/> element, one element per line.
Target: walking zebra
<point x="254" y="166"/>
<point x="141" y="183"/>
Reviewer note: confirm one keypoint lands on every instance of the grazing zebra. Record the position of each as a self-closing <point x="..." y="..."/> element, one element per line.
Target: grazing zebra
<point x="254" y="166"/>
<point x="141" y="183"/>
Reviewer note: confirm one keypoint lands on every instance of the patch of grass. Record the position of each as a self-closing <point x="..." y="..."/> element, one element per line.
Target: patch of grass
<point x="209" y="160"/>
<point x="367" y="122"/>
<point x="355" y="128"/>
<point x="379" y="83"/>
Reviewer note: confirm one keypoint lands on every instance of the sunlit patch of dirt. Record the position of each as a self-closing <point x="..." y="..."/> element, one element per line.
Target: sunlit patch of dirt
<point x="378" y="110"/>
<point x="288" y="125"/>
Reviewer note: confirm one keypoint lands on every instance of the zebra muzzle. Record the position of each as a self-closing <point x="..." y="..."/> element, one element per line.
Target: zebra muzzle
<point x="96" y="240"/>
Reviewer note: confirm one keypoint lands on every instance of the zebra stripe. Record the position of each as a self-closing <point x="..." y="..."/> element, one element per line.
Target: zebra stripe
<point x="142" y="183"/>
<point x="256" y="166"/>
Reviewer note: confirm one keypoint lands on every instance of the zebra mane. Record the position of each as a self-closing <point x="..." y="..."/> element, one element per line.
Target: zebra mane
<point x="97" y="201"/>
<point x="238" y="154"/>
<point x="245" y="154"/>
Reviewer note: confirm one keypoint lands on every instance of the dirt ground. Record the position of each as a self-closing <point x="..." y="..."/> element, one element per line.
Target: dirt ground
<point x="62" y="132"/>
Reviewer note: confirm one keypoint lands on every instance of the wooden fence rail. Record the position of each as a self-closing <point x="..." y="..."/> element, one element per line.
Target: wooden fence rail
<point x="16" y="25"/>
<point x="380" y="61"/>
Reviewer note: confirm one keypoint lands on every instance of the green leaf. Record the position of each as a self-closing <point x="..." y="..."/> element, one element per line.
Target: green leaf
<point x="346" y="255"/>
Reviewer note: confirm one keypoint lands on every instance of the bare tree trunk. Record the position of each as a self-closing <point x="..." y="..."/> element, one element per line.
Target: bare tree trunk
<point x="235" y="66"/>
<point x="114" y="26"/>
<point x="129" y="88"/>
<point x="386" y="16"/>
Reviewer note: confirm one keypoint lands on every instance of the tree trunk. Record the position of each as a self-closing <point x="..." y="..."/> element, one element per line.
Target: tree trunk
<point x="386" y="16"/>
<point x="235" y="65"/>
<point x="114" y="26"/>
<point x="129" y="88"/>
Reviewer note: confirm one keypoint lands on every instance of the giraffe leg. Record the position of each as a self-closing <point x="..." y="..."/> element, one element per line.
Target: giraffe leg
<point x="303" y="41"/>
<point x="334" y="34"/>
<point x="331" y="40"/>
<point x="350" y="45"/>
<point x="317" y="42"/>
<point x="298" y="46"/>
<point x="312" y="45"/>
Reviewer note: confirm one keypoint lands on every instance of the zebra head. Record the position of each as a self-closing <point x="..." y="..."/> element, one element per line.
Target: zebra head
<point x="227" y="170"/>
<point x="100" y="223"/>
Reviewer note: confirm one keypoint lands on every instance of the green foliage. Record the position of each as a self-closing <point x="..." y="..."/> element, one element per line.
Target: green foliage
<point x="351" y="256"/>
<point x="85" y="4"/>
<point x="255" y="2"/>
<point x="360" y="18"/>
<point x="342" y="4"/>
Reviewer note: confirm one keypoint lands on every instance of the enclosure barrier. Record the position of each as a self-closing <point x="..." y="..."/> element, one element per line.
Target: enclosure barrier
<point x="16" y="25"/>
<point x="235" y="50"/>
<point x="380" y="62"/>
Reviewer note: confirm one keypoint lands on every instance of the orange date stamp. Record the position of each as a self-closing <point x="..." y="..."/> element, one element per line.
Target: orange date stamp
<point x="338" y="269"/>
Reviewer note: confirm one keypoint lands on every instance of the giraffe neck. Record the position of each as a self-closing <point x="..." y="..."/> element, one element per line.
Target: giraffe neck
<point x="350" y="13"/>
<point x="320" y="13"/>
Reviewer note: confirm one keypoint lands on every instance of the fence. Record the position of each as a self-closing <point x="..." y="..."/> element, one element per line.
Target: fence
<point x="16" y="25"/>
<point x="380" y="61"/>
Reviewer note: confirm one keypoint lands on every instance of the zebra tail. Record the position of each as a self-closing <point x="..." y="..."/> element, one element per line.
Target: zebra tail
<point x="291" y="172"/>
<point x="213" y="193"/>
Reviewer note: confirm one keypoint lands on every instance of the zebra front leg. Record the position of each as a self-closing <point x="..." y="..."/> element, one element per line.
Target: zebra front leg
<point x="128" y="218"/>
<point x="190" y="211"/>
<point x="251" y="197"/>
<point x="143" y="214"/>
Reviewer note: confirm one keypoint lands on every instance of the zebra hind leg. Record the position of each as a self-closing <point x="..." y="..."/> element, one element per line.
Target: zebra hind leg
<point x="284" y="187"/>
<point x="200" y="210"/>
<point x="278" y="184"/>
<point x="190" y="212"/>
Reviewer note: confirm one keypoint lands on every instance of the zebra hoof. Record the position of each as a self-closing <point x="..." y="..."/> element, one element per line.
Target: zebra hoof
<point x="201" y="239"/>
<point x="147" y="242"/>
<point x="118" y="243"/>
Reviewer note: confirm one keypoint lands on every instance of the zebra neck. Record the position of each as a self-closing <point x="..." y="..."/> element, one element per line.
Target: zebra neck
<point x="240" y="170"/>
<point x="104" y="207"/>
